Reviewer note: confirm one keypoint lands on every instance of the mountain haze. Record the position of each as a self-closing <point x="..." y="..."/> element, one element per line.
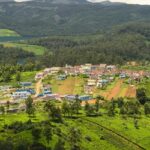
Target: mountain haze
<point x="68" y="17"/>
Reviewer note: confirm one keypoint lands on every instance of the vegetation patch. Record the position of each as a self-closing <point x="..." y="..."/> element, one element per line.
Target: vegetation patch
<point x="37" y="50"/>
<point x="8" y="33"/>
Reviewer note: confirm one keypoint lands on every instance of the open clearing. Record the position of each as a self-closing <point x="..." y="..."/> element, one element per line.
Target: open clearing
<point x="75" y="85"/>
<point x="37" y="50"/>
<point x="72" y="85"/>
<point x="8" y="33"/>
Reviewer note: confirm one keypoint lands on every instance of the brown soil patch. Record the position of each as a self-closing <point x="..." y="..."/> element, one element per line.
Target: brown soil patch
<point x="114" y="92"/>
<point x="89" y="101"/>
<point x="131" y="92"/>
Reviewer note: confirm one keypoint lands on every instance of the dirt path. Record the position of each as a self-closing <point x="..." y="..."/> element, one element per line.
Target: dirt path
<point x="38" y="87"/>
<point x="124" y="139"/>
<point x="131" y="92"/>
<point x="114" y="92"/>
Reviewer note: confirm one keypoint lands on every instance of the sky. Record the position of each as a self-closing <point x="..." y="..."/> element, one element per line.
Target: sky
<point x="141" y="2"/>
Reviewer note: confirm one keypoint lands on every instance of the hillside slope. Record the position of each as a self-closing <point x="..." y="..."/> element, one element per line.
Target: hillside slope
<point x="68" y="17"/>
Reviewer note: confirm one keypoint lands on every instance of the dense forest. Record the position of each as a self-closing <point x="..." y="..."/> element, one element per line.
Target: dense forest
<point x="117" y="46"/>
<point x="14" y="55"/>
<point x="129" y="42"/>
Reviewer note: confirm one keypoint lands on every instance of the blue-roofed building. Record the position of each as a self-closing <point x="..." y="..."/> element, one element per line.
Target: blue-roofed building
<point x="122" y="75"/>
<point x="85" y="97"/>
<point x="25" y="83"/>
<point x="31" y="91"/>
<point x="62" y="77"/>
<point x="70" y="97"/>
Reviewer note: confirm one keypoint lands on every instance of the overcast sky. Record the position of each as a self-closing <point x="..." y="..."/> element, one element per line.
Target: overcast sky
<point x="142" y="2"/>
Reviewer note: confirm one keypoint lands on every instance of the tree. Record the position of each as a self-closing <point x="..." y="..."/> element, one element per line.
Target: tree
<point x="53" y="111"/>
<point x="97" y="105"/>
<point x="8" y="105"/>
<point x="120" y="102"/>
<point x="136" y="124"/>
<point x="132" y="107"/>
<point x="18" y="76"/>
<point x="48" y="133"/>
<point x="65" y="108"/>
<point x="77" y="105"/>
<point x="2" y="109"/>
<point x="111" y="108"/>
<point x="22" y="144"/>
<point x="29" y="106"/>
<point x="6" y="76"/>
<point x="86" y="107"/>
<point x="60" y="145"/>
<point x="90" y="111"/>
<point x="141" y="95"/>
<point x="75" y="138"/>
<point x="123" y="110"/>
<point x="36" y="133"/>
<point x="147" y="108"/>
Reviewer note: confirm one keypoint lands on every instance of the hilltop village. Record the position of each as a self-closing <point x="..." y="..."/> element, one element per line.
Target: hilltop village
<point x="87" y="81"/>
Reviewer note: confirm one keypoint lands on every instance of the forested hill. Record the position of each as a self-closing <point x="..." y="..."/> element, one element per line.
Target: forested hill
<point x="118" y="46"/>
<point x="68" y="17"/>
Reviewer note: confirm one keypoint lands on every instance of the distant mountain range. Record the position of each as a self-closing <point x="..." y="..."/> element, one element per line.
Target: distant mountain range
<point x="68" y="17"/>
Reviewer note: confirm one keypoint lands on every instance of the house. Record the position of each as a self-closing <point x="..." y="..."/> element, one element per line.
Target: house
<point x="111" y="79"/>
<point x="122" y="75"/>
<point x="102" y="82"/>
<point x="62" y="77"/>
<point x="55" y="70"/>
<point x="88" y="89"/>
<point x="111" y="67"/>
<point x="51" y="97"/>
<point x="25" y="84"/>
<point x="46" y="91"/>
<point x="12" y="110"/>
<point x="102" y="66"/>
<point x="86" y="68"/>
<point x="85" y="97"/>
<point x="21" y="95"/>
<point x="47" y="71"/>
<point x="5" y="88"/>
<point x="31" y="91"/>
<point x="91" y="82"/>
<point x="39" y="76"/>
<point x="70" y="97"/>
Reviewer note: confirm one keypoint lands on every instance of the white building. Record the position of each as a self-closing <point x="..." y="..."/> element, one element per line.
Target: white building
<point x="39" y="76"/>
<point x="21" y="95"/>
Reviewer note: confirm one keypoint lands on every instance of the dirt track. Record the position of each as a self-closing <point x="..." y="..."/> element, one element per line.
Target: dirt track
<point x="131" y="92"/>
<point x="114" y="92"/>
<point x="38" y="87"/>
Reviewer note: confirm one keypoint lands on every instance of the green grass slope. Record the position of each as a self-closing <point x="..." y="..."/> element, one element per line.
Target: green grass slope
<point x="37" y="50"/>
<point x="8" y="33"/>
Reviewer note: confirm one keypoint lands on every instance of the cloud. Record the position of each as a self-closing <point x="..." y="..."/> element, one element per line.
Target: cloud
<point x="141" y="2"/>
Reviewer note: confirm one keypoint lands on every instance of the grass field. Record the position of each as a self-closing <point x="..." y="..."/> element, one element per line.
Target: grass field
<point x="37" y="50"/>
<point x="126" y="127"/>
<point x="145" y="84"/>
<point x="7" y="33"/>
<point x="72" y="85"/>
<point x="137" y="68"/>
<point x="118" y="88"/>
<point x="25" y="77"/>
<point x="75" y="85"/>
<point x="100" y="138"/>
